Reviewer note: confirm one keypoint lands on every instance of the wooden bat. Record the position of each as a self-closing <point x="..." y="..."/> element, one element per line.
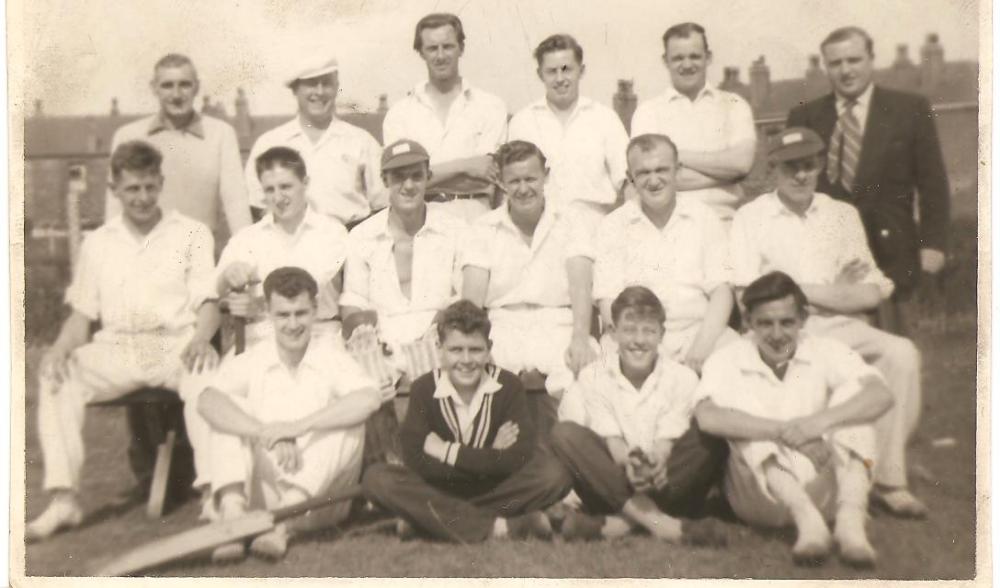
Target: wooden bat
<point x="206" y="537"/>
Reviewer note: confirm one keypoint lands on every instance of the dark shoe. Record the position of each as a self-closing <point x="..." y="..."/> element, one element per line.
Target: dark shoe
<point x="707" y="532"/>
<point x="577" y="526"/>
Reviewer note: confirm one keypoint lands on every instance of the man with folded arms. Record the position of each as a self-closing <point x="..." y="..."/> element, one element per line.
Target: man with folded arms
<point x="820" y="242"/>
<point x="797" y="410"/>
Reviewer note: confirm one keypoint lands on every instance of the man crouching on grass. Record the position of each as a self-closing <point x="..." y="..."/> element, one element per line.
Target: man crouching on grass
<point x="798" y="411"/>
<point x="641" y="459"/>
<point x="468" y="443"/>
<point x="287" y="416"/>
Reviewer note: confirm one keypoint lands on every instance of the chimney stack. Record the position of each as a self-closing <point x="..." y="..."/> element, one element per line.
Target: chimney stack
<point x="383" y="104"/>
<point x="38" y="109"/>
<point x="932" y="64"/>
<point x="760" y="83"/>
<point x="114" y="107"/>
<point x="625" y="102"/>
<point x="243" y="123"/>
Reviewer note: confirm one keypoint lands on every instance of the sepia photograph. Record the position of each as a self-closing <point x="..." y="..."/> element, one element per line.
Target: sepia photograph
<point x="533" y="289"/>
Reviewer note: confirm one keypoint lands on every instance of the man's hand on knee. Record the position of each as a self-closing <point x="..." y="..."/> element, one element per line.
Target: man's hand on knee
<point x="199" y="356"/>
<point x="288" y="456"/>
<point x="818" y="451"/>
<point x="579" y="353"/>
<point x="55" y="364"/>
<point x="799" y="431"/>
<point x="506" y="435"/>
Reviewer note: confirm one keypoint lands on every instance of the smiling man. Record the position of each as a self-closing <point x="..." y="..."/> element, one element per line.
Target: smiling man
<point x="583" y="140"/>
<point x="883" y="153"/>
<point x="458" y="124"/>
<point x="821" y="243"/>
<point x="713" y="129"/>
<point x="343" y="160"/>
<point x="471" y="469"/>
<point x="146" y="275"/>
<point x="675" y="247"/>
<point x="797" y="411"/>
<point x="287" y="417"/>
<point x="291" y="234"/>
<point x="201" y="162"/>
<point x="521" y="265"/>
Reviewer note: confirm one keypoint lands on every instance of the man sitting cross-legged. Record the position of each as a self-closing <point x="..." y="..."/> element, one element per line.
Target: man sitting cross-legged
<point x="287" y="416"/>
<point x="642" y="456"/>
<point x="468" y="446"/>
<point x="798" y="411"/>
<point x="146" y="274"/>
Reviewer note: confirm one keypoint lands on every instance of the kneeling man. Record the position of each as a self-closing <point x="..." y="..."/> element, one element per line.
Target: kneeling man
<point x="469" y="447"/>
<point x="287" y="416"/>
<point x="798" y="411"/>
<point x="642" y="456"/>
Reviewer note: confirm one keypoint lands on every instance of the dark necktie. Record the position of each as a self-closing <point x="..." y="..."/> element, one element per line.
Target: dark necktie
<point x="845" y="147"/>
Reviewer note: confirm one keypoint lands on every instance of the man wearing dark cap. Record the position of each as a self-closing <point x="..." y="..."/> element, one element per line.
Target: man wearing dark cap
<point x="343" y="160"/>
<point x="402" y="262"/>
<point x="820" y="242"/>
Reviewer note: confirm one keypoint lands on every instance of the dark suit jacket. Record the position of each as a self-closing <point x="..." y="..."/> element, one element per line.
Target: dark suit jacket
<point x="900" y="160"/>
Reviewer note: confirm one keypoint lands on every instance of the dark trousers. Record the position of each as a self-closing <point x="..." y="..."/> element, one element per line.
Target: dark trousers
<point x="465" y="509"/>
<point x="695" y="464"/>
<point x="544" y="410"/>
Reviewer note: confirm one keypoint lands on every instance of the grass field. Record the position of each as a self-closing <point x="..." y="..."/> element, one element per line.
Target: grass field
<point x="943" y="547"/>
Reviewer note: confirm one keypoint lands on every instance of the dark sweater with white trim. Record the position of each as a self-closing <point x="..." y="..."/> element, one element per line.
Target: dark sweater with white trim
<point x="477" y="460"/>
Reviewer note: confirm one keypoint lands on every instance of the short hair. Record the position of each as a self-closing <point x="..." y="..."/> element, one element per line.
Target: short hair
<point x="135" y="156"/>
<point x="285" y="157"/>
<point x="466" y="318"/>
<point x="640" y="303"/>
<point x="683" y="31"/>
<point x="436" y="21"/>
<point x="649" y="141"/>
<point x="174" y="60"/>
<point x="516" y="151"/>
<point x="773" y="286"/>
<point x="558" y="42"/>
<point x="845" y="33"/>
<point x="289" y="282"/>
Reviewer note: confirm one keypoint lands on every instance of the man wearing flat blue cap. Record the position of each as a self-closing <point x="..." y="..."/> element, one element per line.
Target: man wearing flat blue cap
<point x="342" y="159"/>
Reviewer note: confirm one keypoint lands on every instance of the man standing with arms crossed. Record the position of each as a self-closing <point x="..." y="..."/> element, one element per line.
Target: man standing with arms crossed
<point x="713" y="129"/>
<point x="583" y="140"/>
<point x="459" y="125"/>
<point x="883" y="152"/>
<point x="343" y="160"/>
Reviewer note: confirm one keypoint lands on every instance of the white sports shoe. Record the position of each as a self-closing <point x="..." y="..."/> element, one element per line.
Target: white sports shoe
<point x="62" y="513"/>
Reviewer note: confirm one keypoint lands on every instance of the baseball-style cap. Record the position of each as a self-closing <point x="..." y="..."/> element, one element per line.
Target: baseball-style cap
<point x="794" y="143"/>
<point x="312" y="67"/>
<point x="403" y="153"/>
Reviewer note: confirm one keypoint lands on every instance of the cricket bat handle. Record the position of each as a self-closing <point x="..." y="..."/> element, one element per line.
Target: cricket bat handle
<point x="240" y="333"/>
<point x="294" y="510"/>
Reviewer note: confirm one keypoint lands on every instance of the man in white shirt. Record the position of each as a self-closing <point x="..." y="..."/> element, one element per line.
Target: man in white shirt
<point x="343" y="160"/>
<point x="291" y="234"/>
<point x="287" y="417"/>
<point x="583" y="139"/>
<point x="798" y="412"/>
<point x="402" y="263"/>
<point x="821" y="243"/>
<point x="146" y="275"/>
<point x="521" y="264"/>
<point x="675" y="247"/>
<point x="459" y="125"/>
<point x="713" y="129"/>
<point x="640" y="457"/>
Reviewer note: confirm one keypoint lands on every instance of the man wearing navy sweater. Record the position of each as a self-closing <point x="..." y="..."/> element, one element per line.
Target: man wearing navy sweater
<point x="468" y="447"/>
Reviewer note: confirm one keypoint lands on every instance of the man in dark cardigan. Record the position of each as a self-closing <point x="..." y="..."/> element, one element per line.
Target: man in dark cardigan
<point x="468" y="445"/>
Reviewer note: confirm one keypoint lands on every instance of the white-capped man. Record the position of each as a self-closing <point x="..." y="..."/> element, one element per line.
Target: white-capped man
<point x="402" y="263"/>
<point x="521" y="264"/>
<point x="343" y="160"/>
<point x="583" y="139"/>
<point x="675" y="247"/>
<point x="713" y="129"/>
<point x="146" y="275"/>
<point x="458" y="124"/>
<point x="821" y="243"/>
<point x="797" y="410"/>
<point x="287" y="417"/>
<point x="203" y="176"/>
<point x="292" y="233"/>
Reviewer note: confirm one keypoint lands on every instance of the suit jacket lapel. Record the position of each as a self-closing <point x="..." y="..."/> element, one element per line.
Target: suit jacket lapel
<point x="874" y="144"/>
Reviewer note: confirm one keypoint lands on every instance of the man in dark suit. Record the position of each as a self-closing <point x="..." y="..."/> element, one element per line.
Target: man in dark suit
<point x="883" y="151"/>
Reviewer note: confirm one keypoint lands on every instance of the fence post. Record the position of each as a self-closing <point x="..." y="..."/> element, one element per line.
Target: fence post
<point x="76" y="186"/>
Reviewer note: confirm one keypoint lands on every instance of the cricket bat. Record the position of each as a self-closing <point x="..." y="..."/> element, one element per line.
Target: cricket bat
<point x="206" y="537"/>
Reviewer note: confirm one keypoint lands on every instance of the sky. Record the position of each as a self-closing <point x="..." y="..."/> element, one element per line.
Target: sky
<point x="78" y="55"/>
